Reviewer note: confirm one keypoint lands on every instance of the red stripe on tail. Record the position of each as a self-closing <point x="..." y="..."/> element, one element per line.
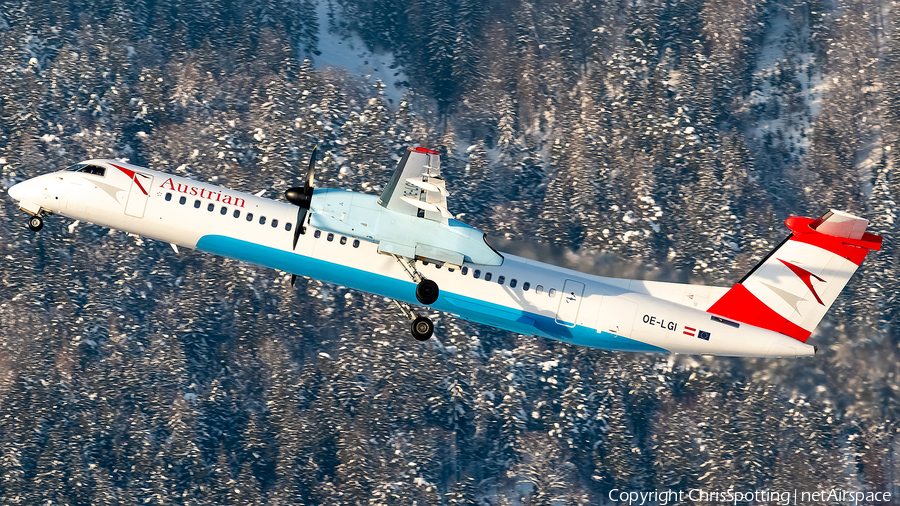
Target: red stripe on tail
<point x="741" y="305"/>
<point x="854" y="250"/>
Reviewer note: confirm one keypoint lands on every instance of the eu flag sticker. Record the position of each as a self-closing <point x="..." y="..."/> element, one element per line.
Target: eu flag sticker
<point x="703" y="335"/>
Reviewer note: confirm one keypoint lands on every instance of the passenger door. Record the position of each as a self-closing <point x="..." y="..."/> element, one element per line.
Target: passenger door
<point x="138" y="194"/>
<point x="569" y="303"/>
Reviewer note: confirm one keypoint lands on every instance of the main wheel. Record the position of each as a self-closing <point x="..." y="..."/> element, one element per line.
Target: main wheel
<point x="427" y="292"/>
<point x="35" y="223"/>
<point x="422" y="328"/>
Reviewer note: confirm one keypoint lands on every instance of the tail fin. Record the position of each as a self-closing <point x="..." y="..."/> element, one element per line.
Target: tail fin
<point x="791" y="289"/>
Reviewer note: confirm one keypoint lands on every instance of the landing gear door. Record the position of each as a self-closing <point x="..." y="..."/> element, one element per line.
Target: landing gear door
<point x="616" y="315"/>
<point x="569" y="303"/>
<point x="138" y="194"/>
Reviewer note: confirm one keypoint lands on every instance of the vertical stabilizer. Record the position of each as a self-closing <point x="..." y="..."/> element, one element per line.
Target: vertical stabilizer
<point x="791" y="289"/>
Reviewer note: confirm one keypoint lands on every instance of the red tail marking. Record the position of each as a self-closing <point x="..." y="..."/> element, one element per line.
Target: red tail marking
<point x="805" y="276"/>
<point x="741" y="305"/>
<point x="854" y="250"/>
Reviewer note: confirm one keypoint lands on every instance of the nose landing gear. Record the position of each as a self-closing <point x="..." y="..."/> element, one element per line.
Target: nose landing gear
<point x="35" y="223"/>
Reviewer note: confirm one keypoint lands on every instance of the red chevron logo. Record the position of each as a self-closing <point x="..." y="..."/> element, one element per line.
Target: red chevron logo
<point x="806" y="277"/>
<point x="130" y="173"/>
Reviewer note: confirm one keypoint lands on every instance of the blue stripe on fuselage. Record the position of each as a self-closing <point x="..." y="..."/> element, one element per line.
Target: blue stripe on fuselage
<point x="468" y="308"/>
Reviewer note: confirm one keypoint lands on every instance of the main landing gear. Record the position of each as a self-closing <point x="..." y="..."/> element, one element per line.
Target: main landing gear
<point x="426" y="290"/>
<point x="422" y="327"/>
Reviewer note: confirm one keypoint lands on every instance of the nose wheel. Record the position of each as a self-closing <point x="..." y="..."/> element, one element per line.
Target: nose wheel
<point x="35" y="223"/>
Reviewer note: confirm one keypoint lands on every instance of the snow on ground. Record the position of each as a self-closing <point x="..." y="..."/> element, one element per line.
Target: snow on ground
<point x="787" y="45"/>
<point x="784" y="45"/>
<point x="350" y="53"/>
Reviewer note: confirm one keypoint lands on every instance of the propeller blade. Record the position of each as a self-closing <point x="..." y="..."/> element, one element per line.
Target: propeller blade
<point x="311" y="169"/>
<point x="293" y="279"/>
<point x="301" y="217"/>
<point x="302" y="198"/>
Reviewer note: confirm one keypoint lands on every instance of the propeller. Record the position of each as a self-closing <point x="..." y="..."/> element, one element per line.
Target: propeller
<point x="302" y="198"/>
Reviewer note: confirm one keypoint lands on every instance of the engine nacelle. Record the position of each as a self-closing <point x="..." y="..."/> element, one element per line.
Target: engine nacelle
<point x="360" y="215"/>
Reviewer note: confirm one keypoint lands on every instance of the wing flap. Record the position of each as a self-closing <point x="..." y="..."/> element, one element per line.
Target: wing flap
<point x="416" y="187"/>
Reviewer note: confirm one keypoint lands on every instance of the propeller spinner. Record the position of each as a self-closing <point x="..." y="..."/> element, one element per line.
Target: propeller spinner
<point x="302" y="198"/>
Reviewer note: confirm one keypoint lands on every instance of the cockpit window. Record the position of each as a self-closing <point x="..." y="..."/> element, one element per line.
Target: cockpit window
<point x="88" y="169"/>
<point x="93" y="169"/>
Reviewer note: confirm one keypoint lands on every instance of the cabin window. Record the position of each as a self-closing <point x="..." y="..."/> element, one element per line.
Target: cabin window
<point x="249" y="216"/>
<point x="275" y="223"/>
<point x="539" y="289"/>
<point x="512" y="283"/>
<point x="168" y="197"/>
<point x="223" y="211"/>
<point x="487" y="276"/>
<point x="237" y="213"/>
<point x="287" y="226"/>
<point x="500" y="280"/>
<point x="210" y="207"/>
<point x="552" y="292"/>
<point x="262" y="220"/>
<point x="330" y="237"/>
<point x="75" y="167"/>
<point x="476" y="274"/>
<point x="343" y="240"/>
<point x="355" y="243"/>
<point x="464" y="271"/>
<point x="525" y="286"/>
<point x="182" y="200"/>
<point x="317" y="234"/>
<point x="197" y="204"/>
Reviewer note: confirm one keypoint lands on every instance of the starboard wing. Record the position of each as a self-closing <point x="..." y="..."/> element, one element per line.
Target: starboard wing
<point x="416" y="188"/>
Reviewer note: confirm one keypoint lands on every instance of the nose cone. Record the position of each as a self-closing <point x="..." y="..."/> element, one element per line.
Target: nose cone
<point x="17" y="191"/>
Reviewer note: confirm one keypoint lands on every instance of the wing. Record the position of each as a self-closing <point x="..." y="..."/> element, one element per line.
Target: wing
<point x="416" y="188"/>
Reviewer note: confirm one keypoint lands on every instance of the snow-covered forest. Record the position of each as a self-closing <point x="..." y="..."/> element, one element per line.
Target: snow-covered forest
<point x="675" y="136"/>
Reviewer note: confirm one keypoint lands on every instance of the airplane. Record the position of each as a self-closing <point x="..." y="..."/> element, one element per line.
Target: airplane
<point x="407" y="246"/>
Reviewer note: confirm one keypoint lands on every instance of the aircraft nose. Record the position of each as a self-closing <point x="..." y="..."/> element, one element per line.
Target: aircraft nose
<point x="17" y="191"/>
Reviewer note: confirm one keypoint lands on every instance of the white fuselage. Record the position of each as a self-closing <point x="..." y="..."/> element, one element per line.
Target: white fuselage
<point x="520" y="295"/>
